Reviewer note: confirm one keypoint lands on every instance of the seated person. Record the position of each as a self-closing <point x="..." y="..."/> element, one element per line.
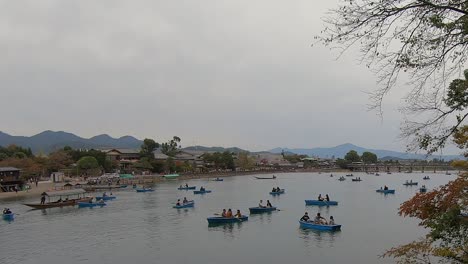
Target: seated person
<point x="223" y="214"/>
<point x="274" y="189"/>
<point x="229" y="213"/>
<point x="327" y="198"/>
<point x="332" y="221"/>
<point x="305" y="217"/>
<point x="320" y="220"/>
<point x="260" y="204"/>
<point x="186" y="185"/>
<point x="178" y="202"/>
<point x="238" y="214"/>
<point x="385" y="188"/>
<point x="185" y="200"/>
<point x="320" y="197"/>
<point x="269" y="204"/>
<point x="202" y="189"/>
<point x="278" y="189"/>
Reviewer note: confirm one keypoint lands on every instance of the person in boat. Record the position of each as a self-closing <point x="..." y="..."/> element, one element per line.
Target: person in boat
<point x="411" y="181"/>
<point x="385" y="188"/>
<point x="59" y="200"/>
<point x="320" y="197"/>
<point x="185" y="200"/>
<point x="178" y="202"/>
<point x="104" y="194"/>
<point x="332" y="221"/>
<point x="274" y="177"/>
<point x="202" y="189"/>
<point x="320" y="220"/>
<point x="260" y="204"/>
<point x="327" y="198"/>
<point x="223" y="214"/>
<point x="180" y="187"/>
<point x="6" y="211"/>
<point x="278" y="189"/>
<point x="101" y="201"/>
<point x="238" y="214"/>
<point x="269" y="204"/>
<point x="305" y="217"/>
<point x="273" y="190"/>
<point x="186" y="185"/>
<point x="42" y="199"/>
<point x="229" y="213"/>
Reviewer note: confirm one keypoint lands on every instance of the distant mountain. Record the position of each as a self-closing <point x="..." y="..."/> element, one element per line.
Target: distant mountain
<point x="341" y="150"/>
<point x="48" y="141"/>
<point x="214" y="149"/>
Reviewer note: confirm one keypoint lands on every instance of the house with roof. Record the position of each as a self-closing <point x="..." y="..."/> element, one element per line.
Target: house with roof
<point x="10" y="179"/>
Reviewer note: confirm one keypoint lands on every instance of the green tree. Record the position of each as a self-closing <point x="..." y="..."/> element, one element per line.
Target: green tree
<point x="170" y="148"/>
<point x="245" y="162"/>
<point x="343" y="164"/>
<point x="87" y="163"/>
<point x="352" y="156"/>
<point x="148" y="147"/>
<point x="369" y="157"/>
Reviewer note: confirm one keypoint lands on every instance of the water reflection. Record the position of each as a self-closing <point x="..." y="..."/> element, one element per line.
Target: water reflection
<point x="227" y="228"/>
<point x="262" y="218"/>
<point x="318" y="238"/>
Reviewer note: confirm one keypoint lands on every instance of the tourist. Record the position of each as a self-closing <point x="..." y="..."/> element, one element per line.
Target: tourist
<point x="260" y="204"/>
<point x="320" y="220"/>
<point x="178" y="202"/>
<point x="202" y="189"/>
<point x="238" y="214"/>
<point x="180" y="187"/>
<point x="305" y="217"/>
<point x="320" y="197"/>
<point x="327" y="198"/>
<point x="223" y="214"/>
<point x="229" y="213"/>
<point x="274" y="189"/>
<point x="385" y="187"/>
<point x="101" y="201"/>
<point x="186" y="185"/>
<point x="104" y="194"/>
<point x="332" y="221"/>
<point x="185" y="200"/>
<point x="269" y="204"/>
<point x="42" y="199"/>
<point x="278" y="189"/>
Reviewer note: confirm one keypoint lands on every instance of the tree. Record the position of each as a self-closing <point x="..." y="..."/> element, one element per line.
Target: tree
<point x="148" y="147"/>
<point x="352" y="156"/>
<point x="58" y="160"/>
<point x="244" y="161"/>
<point x="87" y="163"/>
<point x="424" y="40"/>
<point x="369" y="157"/>
<point x="343" y="164"/>
<point x="170" y="148"/>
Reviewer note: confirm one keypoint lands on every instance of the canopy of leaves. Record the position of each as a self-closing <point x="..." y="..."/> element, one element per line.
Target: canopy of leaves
<point x="170" y="148"/>
<point x="148" y="147"/>
<point x="352" y="156"/>
<point x="220" y="160"/>
<point x="369" y="157"/>
<point x="87" y="163"/>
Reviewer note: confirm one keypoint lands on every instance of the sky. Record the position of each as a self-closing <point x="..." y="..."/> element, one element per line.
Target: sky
<point x="216" y="73"/>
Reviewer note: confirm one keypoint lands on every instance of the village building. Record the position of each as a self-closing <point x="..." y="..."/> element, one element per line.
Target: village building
<point x="10" y="179"/>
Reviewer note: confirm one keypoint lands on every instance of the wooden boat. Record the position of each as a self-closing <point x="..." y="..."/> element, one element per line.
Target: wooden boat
<point x="426" y="178"/>
<point x="187" y="188"/>
<point x="226" y="220"/>
<point x="356" y="180"/>
<point x="385" y="191"/>
<point x="410" y="183"/>
<point x="185" y="205"/>
<point x="144" y="190"/>
<point x="9" y="217"/>
<point x="265" y="178"/>
<point x="259" y="210"/>
<point x="79" y="193"/>
<point x="342" y="179"/>
<point x="311" y="225"/>
<point x="218" y="179"/>
<point x="201" y="192"/>
<point x="171" y="176"/>
<point x="277" y="193"/>
<point x="422" y="190"/>
<point x="320" y="203"/>
<point x="349" y="175"/>
<point x="377" y="174"/>
<point x="88" y="204"/>
<point x="105" y="198"/>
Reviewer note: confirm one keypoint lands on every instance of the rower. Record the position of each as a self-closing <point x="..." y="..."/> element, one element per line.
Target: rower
<point x="178" y="202"/>
<point x="185" y="200"/>
<point x="229" y="213"/>
<point x="305" y="217"/>
<point x="320" y="220"/>
<point x="186" y="185"/>
<point x="269" y="204"/>
<point x="320" y="197"/>
<point x="332" y="221"/>
<point x="385" y="188"/>
<point x="327" y="198"/>
<point x="260" y="204"/>
<point x="223" y="214"/>
<point x="238" y="214"/>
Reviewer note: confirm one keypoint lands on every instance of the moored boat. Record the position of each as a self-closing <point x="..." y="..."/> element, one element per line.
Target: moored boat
<point x="145" y="190"/>
<point x="9" y="217"/>
<point x="356" y="180"/>
<point x="385" y="191"/>
<point x="123" y="186"/>
<point x="105" y="198"/>
<point x="185" y="205"/>
<point x="259" y="210"/>
<point x="349" y="175"/>
<point x="265" y="178"/>
<point x="311" y="225"/>
<point x="277" y="193"/>
<point x="218" y="179"/>
<point x="88" y="204"/>
<point x="79" y="193"/>
<point x="171" y="176"/>
<point x="187" y="188"/>
<point x="201" y="192"/>
<point x="320" y="203"/>
<point x="226" y="220"/>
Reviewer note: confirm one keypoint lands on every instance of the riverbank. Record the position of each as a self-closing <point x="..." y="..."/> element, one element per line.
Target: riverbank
<point x="35" y="191"/>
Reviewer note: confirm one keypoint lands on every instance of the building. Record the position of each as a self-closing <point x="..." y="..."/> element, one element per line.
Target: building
<point x="122" y="154"/>
<point x="10" y="179"/>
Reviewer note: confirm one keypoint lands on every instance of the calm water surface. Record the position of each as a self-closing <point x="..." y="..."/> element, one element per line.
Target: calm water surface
<point x="144" y="228"/>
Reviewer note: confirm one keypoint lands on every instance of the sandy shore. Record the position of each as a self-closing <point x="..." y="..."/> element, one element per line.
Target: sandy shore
<point x="33" y="192"/>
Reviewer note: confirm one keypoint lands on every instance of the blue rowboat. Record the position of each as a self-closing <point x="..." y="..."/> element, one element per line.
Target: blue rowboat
<point x="356" y="180"/>
<point x="311" y="225"/>
<point x="218" y="179"/>
<point x="105" y="198"/>
<point x="85" y="204"/>
<point x="201" y="192"/>
<point x="259" y="210"/>
<point x="277" y="193"/>
<point x="187" y="188"/>
<point x="410" y="183"/>
<point x="385" y="191"/>
<point x="186" y="205"/>
<point x="226" y="220"/>
<point x="9" y="217"/>
<point x="320" y="203"/>
<point x="144" y="190"/>
<point x="123" y="186"/>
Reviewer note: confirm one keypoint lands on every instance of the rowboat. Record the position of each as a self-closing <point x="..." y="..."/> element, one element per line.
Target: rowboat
<point x="144" y="190"/>
<point x="265" y="178"/>
<point x="320" y="203"/>
<point x="218" y="179"/>
<point x="356" y="180"/>
<point x="187" y="188"/>
<point x="385" y="191"/>
<point x="79" y="193"/>
<point x="311" y="225"/>
<point x="422" y="190"/>
<point x="171" y="176"/>
<point x="201" y="192"/>
<point x="259" y="210"/>
<point x="277" y="193"/>
<point x="426" y="178"/>
<point x="9" y="217"/>
<point x="226" y="220"/>
<point x="349" y="175"/>
<point x="342" y="179"/>
<point x="185" y="205"/>
<point x="410" y="183"/>
<point x="105" y="198"/>
<point x="84" y="204"/>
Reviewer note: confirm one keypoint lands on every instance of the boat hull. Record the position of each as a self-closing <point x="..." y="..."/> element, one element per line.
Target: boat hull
<point x="224" y="220"/>
<point x="422" y="190"/>
<point x="83" y="204"/>
<point x="187" y="188"/>
<point x="260" y="210"/>
<point x="265" y="178"/>
<point x="105" y="198"/>
<point x="320" y="203"/>
<point x="9" y="217"/>
<point x="187" y="205"/>
<point x="144" y="190"/>
<point x="277" y="193"/>
<point x="218" y="180"/>
<point x="201" y="192"/>
<point x="307" y="225"/>
<point x="410" y="184"/>
<point x="385" y="191"/>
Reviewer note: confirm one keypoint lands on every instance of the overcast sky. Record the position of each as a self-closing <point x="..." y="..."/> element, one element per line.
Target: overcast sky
<point x="217" y="73"/>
